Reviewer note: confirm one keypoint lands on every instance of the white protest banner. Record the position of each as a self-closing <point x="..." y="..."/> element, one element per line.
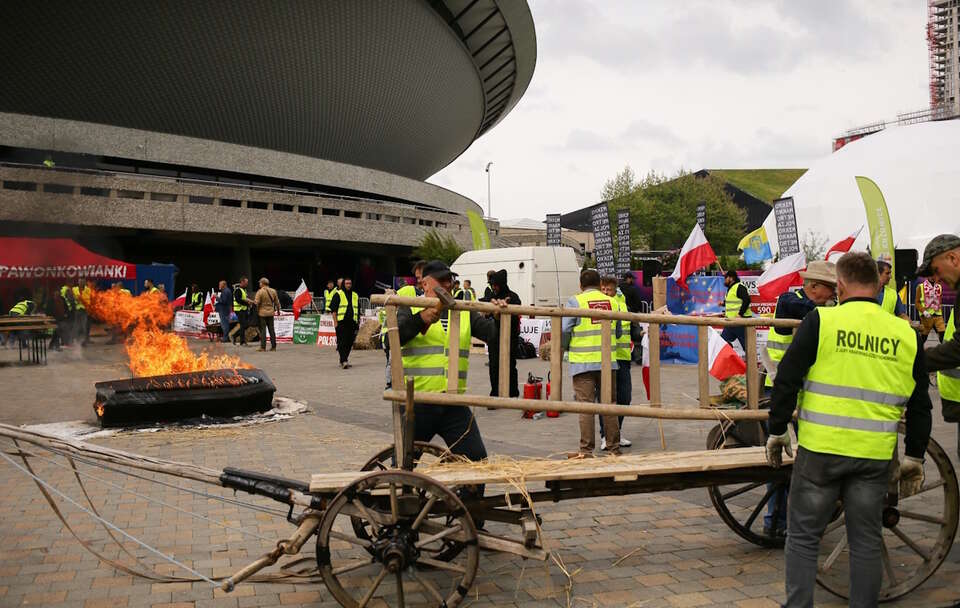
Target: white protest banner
<point x="532" y="330"/>
<point x="189" y="323"/>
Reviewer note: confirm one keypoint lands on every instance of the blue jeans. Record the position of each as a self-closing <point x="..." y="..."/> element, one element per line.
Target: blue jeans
<point x="817" y="482"/>
<point x="224" y="323"/>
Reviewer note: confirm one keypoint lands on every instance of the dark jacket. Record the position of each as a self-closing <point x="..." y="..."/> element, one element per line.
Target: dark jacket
<point x="502" y="292"/>
<point x="947" y="356"/>
<point x="632" y="296"/>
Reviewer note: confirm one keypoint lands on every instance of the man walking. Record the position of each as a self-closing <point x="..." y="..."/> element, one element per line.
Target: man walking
<point x="851" y="369"/>
<point x="929" y="300"/>
<point x="736" y="304"/>
<point x="498" y="285"/>
<point x="346" y="320"/>
<point x="241" y="305"/>
<point x="582" y="340"/>
<point x="268" y="306"/>
<point x="223" y="305"/>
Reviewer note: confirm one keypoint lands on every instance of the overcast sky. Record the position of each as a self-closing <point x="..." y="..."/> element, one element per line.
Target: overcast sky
<point x="665" y="84"/>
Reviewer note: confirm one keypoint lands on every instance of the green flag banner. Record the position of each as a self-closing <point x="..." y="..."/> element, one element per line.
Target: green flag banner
<point x="305" y="329"/>
<point x="478" y="228"/>
<point x="878" y="220"/>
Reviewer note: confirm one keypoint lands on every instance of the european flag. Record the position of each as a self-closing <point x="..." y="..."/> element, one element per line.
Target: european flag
<point x="755" y="246"/>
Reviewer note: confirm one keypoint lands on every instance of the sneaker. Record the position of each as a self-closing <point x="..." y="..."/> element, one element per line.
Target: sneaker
<point x="343" y="365"/>
<point x="603" y="443"/>
<point x="347" y="365"/>
<point x="260" y="350"/>
<point x="624" y="442"/>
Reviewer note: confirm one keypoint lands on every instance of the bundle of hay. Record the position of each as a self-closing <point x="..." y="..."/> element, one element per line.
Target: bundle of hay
<point x="368" y="337"/>
<point x="545" y="350"/>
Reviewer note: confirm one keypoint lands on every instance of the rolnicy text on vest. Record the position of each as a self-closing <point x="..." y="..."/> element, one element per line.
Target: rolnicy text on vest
<point x="866" y="344"/>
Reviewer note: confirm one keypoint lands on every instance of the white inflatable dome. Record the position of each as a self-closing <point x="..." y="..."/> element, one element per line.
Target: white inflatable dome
<point x="917" y="167"/>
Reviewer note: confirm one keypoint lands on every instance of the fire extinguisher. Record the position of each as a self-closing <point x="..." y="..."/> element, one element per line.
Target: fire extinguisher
<point x="533" y="389"/>
<point x="550" y="413"/>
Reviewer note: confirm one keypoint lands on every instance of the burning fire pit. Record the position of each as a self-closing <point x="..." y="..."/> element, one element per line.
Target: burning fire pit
<point x="218" y="393"/>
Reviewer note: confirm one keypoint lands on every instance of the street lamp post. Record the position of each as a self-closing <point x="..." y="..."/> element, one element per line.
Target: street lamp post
<point x="488" y="188"/>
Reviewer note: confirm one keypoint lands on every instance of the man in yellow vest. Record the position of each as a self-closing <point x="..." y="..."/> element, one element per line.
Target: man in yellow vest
<point x="941" y="260"/>
<point x="81" y="321"/>
<point x="346" y="320"/>
<point x="581" y="339"/>
<point x="425" y="352"/>
<point x="328" y="294"/>
<point x="887" y="297"/>
<point x="195" y="301"/>
<point x="622" y="355"/>
<point x="23" y="307"/>
<point x="929" y="299"/>
<point x="736" y="304"/>
<point x="851" y="370"/>
<point x="412" y="291"/>
<point x="241" y="306"/>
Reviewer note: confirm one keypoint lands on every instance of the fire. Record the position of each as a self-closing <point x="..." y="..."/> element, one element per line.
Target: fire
<point x="152" y="351"/>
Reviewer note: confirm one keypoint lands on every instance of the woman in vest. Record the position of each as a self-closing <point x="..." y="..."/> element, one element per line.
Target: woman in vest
<point x="736" y="304"/>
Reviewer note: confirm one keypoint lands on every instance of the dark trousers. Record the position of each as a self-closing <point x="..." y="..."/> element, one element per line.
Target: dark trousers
<point x="494" y="348"/>
<point x="735" y="333"/>
<point x="224" y="315"/>
<point x="266" y="324"/>
<point x="346" y="334"/>
<point x="817" y="482"/>
<point x="624" y="390"/>
<point x="243" y="319"/>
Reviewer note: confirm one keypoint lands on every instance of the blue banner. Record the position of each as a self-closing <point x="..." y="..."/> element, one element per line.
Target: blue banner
<point x="678" y="343"/>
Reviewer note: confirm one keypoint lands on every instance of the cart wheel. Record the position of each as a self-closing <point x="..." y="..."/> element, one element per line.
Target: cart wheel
<point x="918" y="533"/>
<point x="385" y="460"/>
<point x="743" y="506"/>
<point x="408" y="514"/>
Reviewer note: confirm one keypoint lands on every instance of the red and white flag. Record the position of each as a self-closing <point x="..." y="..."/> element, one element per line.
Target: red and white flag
<point x="781" y="276"/>
<point x="723" y="360"/>
<point x="207" y="307"/>
<point x="844" y="245"/>
<point x="645" y="361"/>
<point x="301" y="298"/>
<point x="695" y="254"/>
<point x="180" y="301"/>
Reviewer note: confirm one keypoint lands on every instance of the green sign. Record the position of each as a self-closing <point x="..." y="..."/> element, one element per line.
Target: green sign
<point x="478" y="229"/>
<point x="305" y="329"/>
<point x="878" y="220"/>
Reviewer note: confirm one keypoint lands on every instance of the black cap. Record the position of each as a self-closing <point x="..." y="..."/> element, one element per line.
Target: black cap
<point x="939" y="244"/>
<point x="628" y="275"/>
<point x="438" y="270"/>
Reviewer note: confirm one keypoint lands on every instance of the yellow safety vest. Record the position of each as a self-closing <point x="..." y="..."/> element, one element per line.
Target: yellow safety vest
<point x="585" y="341"/>
<point x="426" y="356"/>
<point x="777" y="345"/>
<point x="20" y="308"/>
<point x="948" y="380"/>
<point x="242" y="304"/>
<point x="69" y="302"/>
<point x="126" y="291"/>
<point x="622" y="352"/>
<point x="77" y="298"/>
<point x="855" y="392"/>
<point x="407" y="291"/>
<point x="342" y="308"/>
<point x="733" y="303"/>
<point x="328" y="297"/>
<point x="888" y="300"/>
<point x="196" y="300"/>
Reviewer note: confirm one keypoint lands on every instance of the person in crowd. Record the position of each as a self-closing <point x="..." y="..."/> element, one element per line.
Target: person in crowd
<point x="887" y="296"/>
<point x="929" y="299"/>
<point x="469" y="293"/>
<point x="241" y="305"/>
<point x="498" y="284"/>
<point x="60" y="309"/>
<point x="268" y="306"/>
<point x="736" y="304"/>
<point x="24" y="306"/>
<point x="851" y="370"/>
<point x="194" y="298"/>
<point x="346" y="320"/>
<point x="328" y="294"/>
<point x="631" y="294"/>
<point x="488" y="291"/>
<point x="149" y="287"/>
<point x="416" y="289"/>
<point x="223" y="308"/>
<point x="622" y="355"/>
<point x="81" y="321"/>
<point x="582" y="341"/>
<point x="457" y="292"/>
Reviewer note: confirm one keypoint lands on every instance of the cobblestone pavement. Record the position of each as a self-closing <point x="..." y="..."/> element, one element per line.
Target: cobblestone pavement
<point x="663" y="549"/>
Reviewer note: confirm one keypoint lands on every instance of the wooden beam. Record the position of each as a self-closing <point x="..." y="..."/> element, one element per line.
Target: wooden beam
<point x="753" y="378"/>
<point x="653" y="342"/>
<point x="503" y="381"/>
<point x="606" y="371"/>
<point x="453" y="347"/>
<point x="556" y="358"/>
<point x="396" y="379"/>
<point x="703" y="364"/>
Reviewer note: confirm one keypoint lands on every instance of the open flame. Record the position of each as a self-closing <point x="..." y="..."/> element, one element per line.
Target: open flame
<point x="152" y="351"/>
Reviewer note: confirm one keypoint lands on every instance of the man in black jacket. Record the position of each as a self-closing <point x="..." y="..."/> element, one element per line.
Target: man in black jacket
<point x="500" y="291"/>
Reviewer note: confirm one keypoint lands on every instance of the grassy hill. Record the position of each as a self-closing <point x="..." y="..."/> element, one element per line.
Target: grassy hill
<point x="765" y="184"/>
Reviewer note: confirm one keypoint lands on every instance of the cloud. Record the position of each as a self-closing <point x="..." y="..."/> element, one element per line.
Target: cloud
<point x="645" y="131"/>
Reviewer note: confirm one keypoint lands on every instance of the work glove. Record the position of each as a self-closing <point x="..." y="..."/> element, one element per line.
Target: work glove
<point x="911" y="476"/>
<point x="775" y="446"/>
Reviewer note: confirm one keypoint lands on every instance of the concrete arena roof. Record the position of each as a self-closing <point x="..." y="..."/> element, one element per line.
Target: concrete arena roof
<point x="402" y="87"/>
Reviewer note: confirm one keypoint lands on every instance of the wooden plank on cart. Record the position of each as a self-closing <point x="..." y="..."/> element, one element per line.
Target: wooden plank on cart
<point x="624" y="468"/>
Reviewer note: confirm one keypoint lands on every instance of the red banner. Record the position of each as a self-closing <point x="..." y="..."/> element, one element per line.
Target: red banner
<point x="26" y="259"/>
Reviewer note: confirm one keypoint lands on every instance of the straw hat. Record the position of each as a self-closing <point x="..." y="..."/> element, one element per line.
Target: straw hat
<point x="818" y="270"/>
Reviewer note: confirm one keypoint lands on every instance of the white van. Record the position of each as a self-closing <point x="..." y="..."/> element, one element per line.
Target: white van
<point x="541" y="276"/>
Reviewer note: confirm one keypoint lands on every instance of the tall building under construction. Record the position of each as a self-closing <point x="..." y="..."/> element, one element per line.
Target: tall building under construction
<point x="943" y="35"/>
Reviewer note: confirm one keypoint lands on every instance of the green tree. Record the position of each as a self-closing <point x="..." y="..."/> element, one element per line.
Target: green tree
<point x="622" y="184"/>
<point x="663" y="210"/>
<point x="813" y="244"/>
<point x="436" y="245"/>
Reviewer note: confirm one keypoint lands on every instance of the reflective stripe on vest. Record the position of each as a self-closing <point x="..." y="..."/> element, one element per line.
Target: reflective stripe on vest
<point x="853" y="395"/>
<point x="241" y="305"/>
<point x="733" y="302"/>
<point x="777" y="345"/>
<point x="948" y="380"/>
<point x="889" y="302"/>
<point x="426" y="358"/>
<point x="342" y="308"/>
<point x="20" y="308"/>
<point x="622" y="352"/>
<point x="586" y="341"/>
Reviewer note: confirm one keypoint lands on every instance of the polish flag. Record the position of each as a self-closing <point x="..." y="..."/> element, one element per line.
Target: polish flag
<point x="844" y="245"/>
<point x="207" y="307"/>
<point x="724" y="361"/>
<point x="695" y="254"/>
<point x="301" y="298"/>
<point x="781" y="276"/>
<point x="181" y="301"/>
<point x="645" y="361"/>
